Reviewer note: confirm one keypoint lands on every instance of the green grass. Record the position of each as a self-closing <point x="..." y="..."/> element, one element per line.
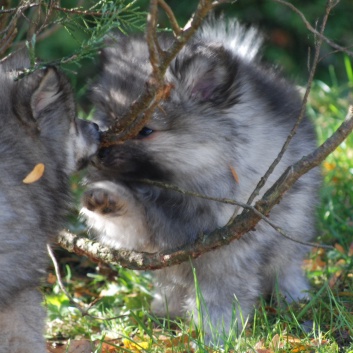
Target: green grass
<point x="324" y="324"/>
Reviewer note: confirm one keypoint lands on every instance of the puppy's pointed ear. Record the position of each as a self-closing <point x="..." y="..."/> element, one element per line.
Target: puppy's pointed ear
<point x="41" y="97"/>
<point x="47" y="92"/>
<point x="208" y="75"/>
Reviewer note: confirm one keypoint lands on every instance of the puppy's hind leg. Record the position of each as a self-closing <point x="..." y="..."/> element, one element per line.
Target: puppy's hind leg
<point x="168" y="301"/>
<point x="293" y="284"/>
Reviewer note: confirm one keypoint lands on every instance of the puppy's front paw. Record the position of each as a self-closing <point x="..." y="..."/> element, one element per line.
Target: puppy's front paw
<point x="101" y="201"/>
<point x="118" y="219"/>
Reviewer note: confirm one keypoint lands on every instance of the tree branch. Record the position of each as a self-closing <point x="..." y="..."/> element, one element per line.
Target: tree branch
<point x="172" y="20"/>
<point x="156" y="88"/>
<point x="241" y="224"/>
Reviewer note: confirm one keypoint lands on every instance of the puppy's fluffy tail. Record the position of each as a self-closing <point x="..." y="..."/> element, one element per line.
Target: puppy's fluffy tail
<point x="243" y="42"/>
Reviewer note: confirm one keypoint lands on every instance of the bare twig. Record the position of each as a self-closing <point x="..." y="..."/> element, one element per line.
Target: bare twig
<point x="58" y="278"/>
<point x="74" y="11"/>
<point x="83" y="309"/>
<point x="9" y="32"/>
<point x="152" y="41"/>
<point x="33" y="19"/>
<point x="301" y="115"/>
<point x="48" y="32"/>
<point x="313" y="30"/>
<point x="7" y="41"/>
<point x="4" y="16"/>
<point x="243" y="205"/>
<point x="172" y="20"/>
<point x="47" y="19"/>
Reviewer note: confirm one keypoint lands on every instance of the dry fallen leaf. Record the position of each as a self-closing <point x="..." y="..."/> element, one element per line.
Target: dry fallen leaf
<point x="289" y="343"/>
<point x="318" y="342"/>
<point x="177" y="341"/>
<point x="260" y="348"/>
<point x="234" y="173"/>
<point x="337" y="275"/>
<point x="350" y="251"/>
<point x="340" y="248"/>
<point x="35" y="174"/>
<point x="276" y="340"/>
<point x="51" y="279"/>
<point x="80" y="346"/>
<point x="110" y="347"/>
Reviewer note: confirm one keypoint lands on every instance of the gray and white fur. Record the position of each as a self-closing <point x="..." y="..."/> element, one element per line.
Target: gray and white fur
<point x="225" y="110"/>
<point x="37" y="125"/>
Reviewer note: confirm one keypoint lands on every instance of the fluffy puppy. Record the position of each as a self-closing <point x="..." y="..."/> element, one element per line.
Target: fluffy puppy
<point x="41" y="143"/>
<point x="225" y="111"/>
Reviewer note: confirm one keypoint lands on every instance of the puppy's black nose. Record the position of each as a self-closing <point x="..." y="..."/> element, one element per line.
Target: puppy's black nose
<point x="95" y="126"/>
<point x="103" y="153"/>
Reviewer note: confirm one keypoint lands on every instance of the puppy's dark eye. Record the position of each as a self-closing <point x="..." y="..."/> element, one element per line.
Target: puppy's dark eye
<point x="146" y="131"/>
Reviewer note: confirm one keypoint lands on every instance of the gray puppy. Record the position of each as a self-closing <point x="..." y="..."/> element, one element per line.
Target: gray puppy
<point x="225" y="111"/>
<point x="38" y="126"/>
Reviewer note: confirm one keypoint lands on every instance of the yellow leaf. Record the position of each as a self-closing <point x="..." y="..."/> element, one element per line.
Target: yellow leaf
<point x="35" y="174"/>
<point x="334" y="278"/>
<point x="135" y="346"/>
<point x="300" y="348"/>
<point x="234" y="173"/>
<point x="329" y="166"/>
<point x="293" y="339"/>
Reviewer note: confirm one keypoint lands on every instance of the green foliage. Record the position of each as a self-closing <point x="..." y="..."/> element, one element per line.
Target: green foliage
<point x="116" y="293"/>
<point x="80" y="31"/>
<point x="328" y="108"/>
